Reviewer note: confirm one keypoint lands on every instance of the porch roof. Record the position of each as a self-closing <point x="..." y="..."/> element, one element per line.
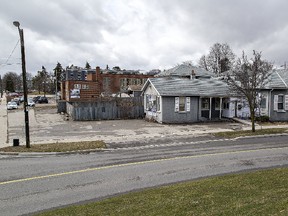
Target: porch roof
<point x="190" y="87"/>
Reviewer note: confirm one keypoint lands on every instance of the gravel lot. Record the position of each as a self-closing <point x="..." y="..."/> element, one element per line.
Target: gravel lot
<point x="47" y="126"/>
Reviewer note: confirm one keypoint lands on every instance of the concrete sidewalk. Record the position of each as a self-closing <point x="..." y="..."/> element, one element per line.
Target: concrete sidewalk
<point x="3" y="123"/>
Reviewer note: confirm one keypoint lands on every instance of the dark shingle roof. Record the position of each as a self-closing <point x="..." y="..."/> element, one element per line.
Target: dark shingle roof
<point x="190" y="87"/>
<point x="278" y="79"/>
<point x="186" y="70"/>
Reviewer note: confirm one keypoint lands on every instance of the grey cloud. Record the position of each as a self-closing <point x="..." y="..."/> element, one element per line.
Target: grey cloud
<point x="143" y="34"/>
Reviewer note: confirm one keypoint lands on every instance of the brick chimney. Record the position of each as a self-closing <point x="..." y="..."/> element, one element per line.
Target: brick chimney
<point x="97" y="73"/>
<point x="193" y="75"/>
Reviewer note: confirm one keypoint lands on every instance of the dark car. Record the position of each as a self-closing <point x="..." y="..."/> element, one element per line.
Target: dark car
<point x="42" y="99"/>
<point x="35" y="99"/>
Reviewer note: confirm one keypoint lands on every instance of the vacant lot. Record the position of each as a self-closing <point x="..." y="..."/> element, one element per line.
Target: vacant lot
<point x="47" y="126"/>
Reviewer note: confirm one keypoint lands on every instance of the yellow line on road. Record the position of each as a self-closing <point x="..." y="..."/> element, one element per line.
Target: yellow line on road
<point x="132" y="163"/>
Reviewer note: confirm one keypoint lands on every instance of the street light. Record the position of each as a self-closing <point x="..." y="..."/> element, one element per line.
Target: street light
<point x="21" y="34"/>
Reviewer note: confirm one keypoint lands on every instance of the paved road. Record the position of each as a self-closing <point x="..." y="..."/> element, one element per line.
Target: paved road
<point x="30" y="184"/>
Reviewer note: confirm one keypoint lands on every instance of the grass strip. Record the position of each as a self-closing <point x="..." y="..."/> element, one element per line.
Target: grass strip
<point x="233" y="134"/>
<point x="57" y="147"/>
<point x="259" y="193"/>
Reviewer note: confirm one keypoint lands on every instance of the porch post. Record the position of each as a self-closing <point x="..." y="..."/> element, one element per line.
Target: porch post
<point x="220" y="115"/>
<point x="199" y="108"/>
<point x="210" y="109"/>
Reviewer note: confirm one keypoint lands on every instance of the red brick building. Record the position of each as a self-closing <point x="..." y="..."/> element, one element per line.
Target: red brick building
<point x="100" y="83"/>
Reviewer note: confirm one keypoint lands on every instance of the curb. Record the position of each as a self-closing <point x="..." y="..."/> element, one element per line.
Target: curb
<point x="52" y="153"/>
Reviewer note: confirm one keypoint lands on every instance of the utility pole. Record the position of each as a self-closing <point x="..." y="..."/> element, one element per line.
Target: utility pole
<point x="25" y="91"/>
<point x="1" y="86"/>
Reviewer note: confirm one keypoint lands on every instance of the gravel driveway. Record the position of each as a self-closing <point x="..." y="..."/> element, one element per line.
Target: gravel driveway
<point x="46" y="126"/>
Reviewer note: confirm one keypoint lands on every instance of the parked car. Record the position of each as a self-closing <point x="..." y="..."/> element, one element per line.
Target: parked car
<point x="17" y="100"/>
<point x="31" y="103"/>
<point x="21" y="99"/>
<point x="12" y="105"/>
<point x="42" y="99"/>
<point x="35" y="99"/>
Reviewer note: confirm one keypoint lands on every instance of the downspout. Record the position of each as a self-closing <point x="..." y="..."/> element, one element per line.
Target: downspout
<point x="210" y="110"/>
<point x="220" y="107"/>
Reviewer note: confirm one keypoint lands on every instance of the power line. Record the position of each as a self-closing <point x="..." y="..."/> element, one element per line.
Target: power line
<point x="6" y="63"/>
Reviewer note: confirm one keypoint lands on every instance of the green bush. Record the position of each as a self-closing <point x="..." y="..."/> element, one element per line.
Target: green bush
<point x="262" y="118"/>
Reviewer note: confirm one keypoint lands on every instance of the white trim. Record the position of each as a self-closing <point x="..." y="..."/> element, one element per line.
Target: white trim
<point x="281" y="79"/>
<point x="286" y="102"/>
<point x="188" y="104"/>
<point x="220" y="107"/>
<point x="210" y="108"/>
<point x="275" y="102"/>
<point x="176" y="104"/>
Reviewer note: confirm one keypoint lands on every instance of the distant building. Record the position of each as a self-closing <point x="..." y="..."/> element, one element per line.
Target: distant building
<point x="85" y="85"/>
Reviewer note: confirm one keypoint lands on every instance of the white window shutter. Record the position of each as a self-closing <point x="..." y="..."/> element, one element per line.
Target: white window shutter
<point x="286" y="102"/>
<point x="188" y="104"/>
<point x="176" y="104"/>
<point x="275" y="102"/>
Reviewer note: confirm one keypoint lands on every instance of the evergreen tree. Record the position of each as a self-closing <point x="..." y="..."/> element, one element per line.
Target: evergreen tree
<point x="87" y="66"/>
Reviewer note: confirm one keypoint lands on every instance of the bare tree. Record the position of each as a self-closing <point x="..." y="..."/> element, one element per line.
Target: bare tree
<point x="220" y="59"/>
<point x="203" y="62"/>
<point x="248" y="78"/>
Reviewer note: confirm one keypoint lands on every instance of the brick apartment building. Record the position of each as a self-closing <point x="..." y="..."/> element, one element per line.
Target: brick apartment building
<point x="87" y="85"/>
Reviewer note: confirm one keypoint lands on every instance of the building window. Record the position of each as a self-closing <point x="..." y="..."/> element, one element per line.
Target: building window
<point x="226" y="105"/>
<point x="263" y="103"/>
<point x="217" y="103"/>
<point x="85" y="86"/>
<point x="106" y="81"/>
<point x="124" y="83"/>
<point x="280" y="102"/>
<point x="77" y="86"/>
<point x="205" y="103"/>
<point x="152" y="103"/>
<point x="182" y="104"/>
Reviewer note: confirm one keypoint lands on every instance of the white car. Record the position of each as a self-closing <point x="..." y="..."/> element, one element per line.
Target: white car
<point x="12" y="105"/>
<point x="31" y="103"/>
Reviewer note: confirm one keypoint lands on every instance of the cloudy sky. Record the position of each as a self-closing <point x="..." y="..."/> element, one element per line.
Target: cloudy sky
<point x="138" y="34"/>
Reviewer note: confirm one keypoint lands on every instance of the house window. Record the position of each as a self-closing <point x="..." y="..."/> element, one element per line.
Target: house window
<point x="152" y="103"/>
<point x="205" y="103"/>
<point x="182" y="102"/>
<point x="263" y="103"/>
<point x="226" y="105"/>
<point x="217" y="103"/>
<point x="280" y="102"/>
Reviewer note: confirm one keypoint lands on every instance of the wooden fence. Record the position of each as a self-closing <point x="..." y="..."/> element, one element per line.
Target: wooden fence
<point x="106" y="109"/>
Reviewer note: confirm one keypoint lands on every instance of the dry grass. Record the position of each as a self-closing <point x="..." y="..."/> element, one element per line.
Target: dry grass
<point x="57" y="147"/>
<point x="233" y="134"/>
